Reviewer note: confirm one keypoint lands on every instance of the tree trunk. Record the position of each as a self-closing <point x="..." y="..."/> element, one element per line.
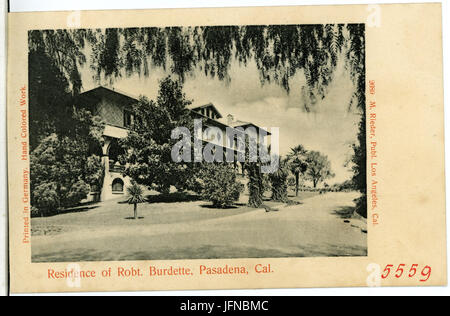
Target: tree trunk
<point x="297" y="175"/>
<point x="279" y="192"/>
<point x="135" y="211"/>
<point x="255" y="186"/>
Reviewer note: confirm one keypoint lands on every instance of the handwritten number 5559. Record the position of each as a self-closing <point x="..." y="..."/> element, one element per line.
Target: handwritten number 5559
<point x="398" y="273"/>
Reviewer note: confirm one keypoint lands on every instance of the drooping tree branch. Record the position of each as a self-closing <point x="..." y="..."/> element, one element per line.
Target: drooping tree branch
<point x="280" y="52"/>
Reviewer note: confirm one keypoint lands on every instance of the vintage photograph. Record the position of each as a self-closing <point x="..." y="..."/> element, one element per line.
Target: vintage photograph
<point x="202" y="142"/>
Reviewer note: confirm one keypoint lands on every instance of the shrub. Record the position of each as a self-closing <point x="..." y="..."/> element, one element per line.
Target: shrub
<point x="219" y="185"/>
<point x="94" y="170"/>
<point x="78" y="191"/>
<point x="46" y="199"/>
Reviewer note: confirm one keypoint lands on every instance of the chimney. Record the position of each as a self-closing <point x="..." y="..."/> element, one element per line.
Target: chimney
<point x="230" y="119"/>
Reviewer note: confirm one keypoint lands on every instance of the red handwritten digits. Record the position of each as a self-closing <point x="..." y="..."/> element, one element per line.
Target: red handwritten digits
<point x="387" y="271"/>
<point x="426" y="274"/>
<point x="400" y="272"/>
<point x="413" y="269"/>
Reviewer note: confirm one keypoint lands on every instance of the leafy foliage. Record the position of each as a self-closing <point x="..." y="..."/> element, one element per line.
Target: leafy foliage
<point x="219" y="184"/>
<point x="319" y="167"/>
<point x="61" y="171"/>
<point x="148" y="144"/>
<point x="49" y="98"/>
<point x="280" y="51"/>
<point x="135" y="196"/>
<point x="65" y="50"/>
<point x="62" y="137"/>
<point x="359" y="169"/>
<point x="356" y="60"/>
<point x="45" y="198"/>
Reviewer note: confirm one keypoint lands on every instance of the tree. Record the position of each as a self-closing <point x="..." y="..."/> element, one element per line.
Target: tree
<point x="49" y="104"/>
<point x="356" y="62"/>
<point x="280" y="52"/>
<point x="65" y="50"/>
<point x="359" y="171"/>
<point x="135" y="196"/>
<point x="279" y="181"/>
<point x="219" y="184"/>
<point x="252" y="167"/>
<point x="62" y="137"/>
<point x="297" y="164"/>
<point x="63" y="168"/>
<point x="148" y="144"/>
<point x="319" y="167"/>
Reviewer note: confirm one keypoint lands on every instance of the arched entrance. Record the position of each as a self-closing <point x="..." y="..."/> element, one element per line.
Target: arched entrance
<point x="117" y="186"/>
<point x="115" y="151"/>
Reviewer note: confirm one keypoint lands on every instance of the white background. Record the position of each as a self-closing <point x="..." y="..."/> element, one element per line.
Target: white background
<point x="58" y="5"/>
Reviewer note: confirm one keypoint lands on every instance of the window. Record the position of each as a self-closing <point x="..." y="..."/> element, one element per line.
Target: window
<point x="138" y="120"/>
<point x="117" y="186"/>
<point x="127" y="118"/>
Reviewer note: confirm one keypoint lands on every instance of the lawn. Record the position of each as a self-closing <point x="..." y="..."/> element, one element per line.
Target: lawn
<point x="194" y="230"/>
<point x="161" y="209"/>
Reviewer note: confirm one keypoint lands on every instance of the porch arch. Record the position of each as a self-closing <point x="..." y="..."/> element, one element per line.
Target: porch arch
<point x="117" y="185"/>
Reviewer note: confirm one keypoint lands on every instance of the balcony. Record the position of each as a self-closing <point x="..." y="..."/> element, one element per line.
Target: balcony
<point x="116" y="168"/>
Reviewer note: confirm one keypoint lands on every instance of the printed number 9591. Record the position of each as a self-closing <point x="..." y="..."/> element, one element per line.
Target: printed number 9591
<point x="403" y="270"/>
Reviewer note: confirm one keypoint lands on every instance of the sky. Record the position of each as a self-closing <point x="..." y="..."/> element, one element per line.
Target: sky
<point x="330" y="129"/>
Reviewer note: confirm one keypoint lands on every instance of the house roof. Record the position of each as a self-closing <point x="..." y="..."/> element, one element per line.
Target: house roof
<point x="102" y="90"/>
<point x="236" y="123"/>
<point x="244" y="124"/>
<point x="210" y="106"/>
<point x="208" y="119"/>
<point x="129" y="99"/>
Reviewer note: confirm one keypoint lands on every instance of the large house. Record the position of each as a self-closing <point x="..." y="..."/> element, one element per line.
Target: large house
<point x="115" y="108"/>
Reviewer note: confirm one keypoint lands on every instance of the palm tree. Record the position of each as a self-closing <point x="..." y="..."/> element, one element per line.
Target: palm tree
<point x="278" y="180"/>
<point x="136" y="195"/>
<point x="297" y="163"/>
